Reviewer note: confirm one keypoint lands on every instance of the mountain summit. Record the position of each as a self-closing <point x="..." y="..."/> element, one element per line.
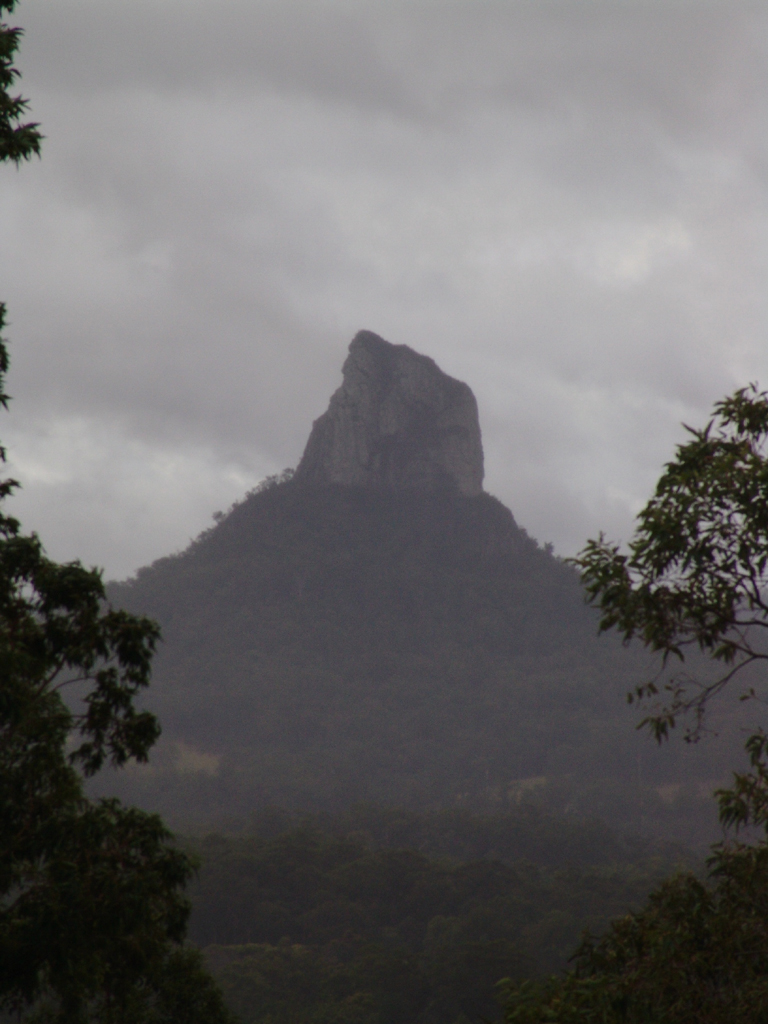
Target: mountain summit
<point x="397" y="423"/>
<point x="379" y="629"/>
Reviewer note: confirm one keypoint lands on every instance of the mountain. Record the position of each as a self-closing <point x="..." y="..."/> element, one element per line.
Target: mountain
<point x="376" y="628"/>
<point x="396" y="423"/>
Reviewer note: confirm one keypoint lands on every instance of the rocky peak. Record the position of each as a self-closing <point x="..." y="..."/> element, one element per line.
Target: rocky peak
<point x="397" y="421"/>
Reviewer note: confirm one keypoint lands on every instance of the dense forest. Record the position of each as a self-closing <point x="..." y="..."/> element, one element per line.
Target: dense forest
<point x="378" y="916"/>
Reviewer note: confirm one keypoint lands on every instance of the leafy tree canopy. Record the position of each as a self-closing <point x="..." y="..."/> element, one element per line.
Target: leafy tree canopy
<point x="19" y="140"/>
<point x="304" y="927"/>
<point x="694" y="577"/>
<point x="92" y="910"/>
<point x="695" y="573"/>
<point x="696" y="954"/>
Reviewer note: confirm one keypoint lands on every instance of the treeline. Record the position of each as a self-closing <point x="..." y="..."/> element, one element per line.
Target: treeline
<point x="524" y="832"/>
<point x="313" y="925"/>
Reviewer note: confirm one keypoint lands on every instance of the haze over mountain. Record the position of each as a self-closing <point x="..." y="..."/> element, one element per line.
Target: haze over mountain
<point x="562" y="203"/>
<point x="376" y="627"/>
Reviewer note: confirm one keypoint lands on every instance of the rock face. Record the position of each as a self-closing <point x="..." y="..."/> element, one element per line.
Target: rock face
<point x="396" y="422"/>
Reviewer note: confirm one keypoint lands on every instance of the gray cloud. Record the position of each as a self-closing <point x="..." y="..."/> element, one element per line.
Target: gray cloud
<point x="564" y="205"/>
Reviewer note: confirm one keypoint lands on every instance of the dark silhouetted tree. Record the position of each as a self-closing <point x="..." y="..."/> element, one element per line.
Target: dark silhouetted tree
<point x="694" y="578"/>
<point x="92" y="909"/>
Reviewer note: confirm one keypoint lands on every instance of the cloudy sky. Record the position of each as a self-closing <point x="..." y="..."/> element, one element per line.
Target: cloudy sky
<point x="564" y="204"/>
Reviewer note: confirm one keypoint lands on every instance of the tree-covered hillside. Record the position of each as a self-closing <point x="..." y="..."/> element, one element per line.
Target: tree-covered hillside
<point x="330" y="645"/>
<point x="319" y="924"/>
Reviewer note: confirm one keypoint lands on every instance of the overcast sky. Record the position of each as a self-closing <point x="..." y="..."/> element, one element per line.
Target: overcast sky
<point x="564" y="204"/>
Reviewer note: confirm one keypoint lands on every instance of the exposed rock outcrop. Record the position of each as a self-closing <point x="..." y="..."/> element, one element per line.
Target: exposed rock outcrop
<point x="397" y="421"/>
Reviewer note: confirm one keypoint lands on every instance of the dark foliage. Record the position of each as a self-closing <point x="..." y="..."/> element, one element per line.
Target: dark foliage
<point x="91" y="894"/>
<point x="694" y="579"/>
<point x="696" y="954"/>
<point x="91" y="903"/>
<point x="19" y="140"/>
<point x="310" y="927"/>
<point x="523" y="833"/>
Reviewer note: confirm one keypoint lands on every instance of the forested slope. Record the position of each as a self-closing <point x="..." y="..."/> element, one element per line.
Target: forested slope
<point x="316" y="923"/>
<point x="330" y="645"/>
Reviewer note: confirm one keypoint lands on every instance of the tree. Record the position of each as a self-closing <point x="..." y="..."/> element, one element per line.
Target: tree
<point x="697" y="954"/>
<point x="92" y="909"/>
<point x="18" y="141"/>
<point x="694" y="578"/>
<point x="695" y="575"/>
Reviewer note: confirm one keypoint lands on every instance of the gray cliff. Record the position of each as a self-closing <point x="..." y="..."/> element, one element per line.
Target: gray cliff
<point x="397" y="421"/>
